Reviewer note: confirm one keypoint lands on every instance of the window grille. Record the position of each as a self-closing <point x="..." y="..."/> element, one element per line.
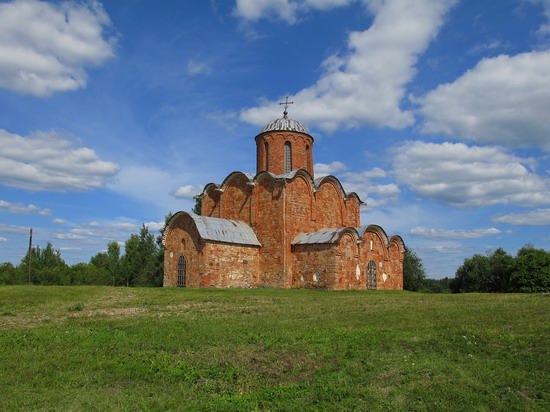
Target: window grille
<point x="288" y="158"/>
<point x="182" y="272"/>
<point x="371" y="275"/>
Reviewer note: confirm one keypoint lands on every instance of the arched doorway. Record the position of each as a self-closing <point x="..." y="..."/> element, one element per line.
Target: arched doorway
<point x="371" y="275"/>
<point x="182" y="272"/>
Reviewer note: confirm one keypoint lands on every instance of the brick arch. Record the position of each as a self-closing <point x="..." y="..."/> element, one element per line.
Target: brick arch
<point x="182" y="238"/>
<point x="237" y="197"/>
<point x="211" y="200"/>
<point x="329" y="202"/>
<point x="347" y="253"/>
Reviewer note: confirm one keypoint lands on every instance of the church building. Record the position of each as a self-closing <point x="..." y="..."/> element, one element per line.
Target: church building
<point x="280" y="228"/>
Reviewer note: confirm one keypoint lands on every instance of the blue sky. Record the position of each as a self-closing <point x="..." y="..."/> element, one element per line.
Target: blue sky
<point x="436" y="113"/>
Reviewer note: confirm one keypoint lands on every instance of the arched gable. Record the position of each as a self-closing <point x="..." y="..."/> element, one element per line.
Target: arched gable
<point x="237" y="191"/>
<point x="319" y="182"/>
<point x="329" y="202"/>
<point x="397" y="247"/>
<point x="377" y="235"/>
<point x="236" y="175"/>
<point x="211" y="200"/>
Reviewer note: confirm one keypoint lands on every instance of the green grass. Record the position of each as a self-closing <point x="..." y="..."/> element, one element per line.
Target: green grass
<point x="103" y="348"/>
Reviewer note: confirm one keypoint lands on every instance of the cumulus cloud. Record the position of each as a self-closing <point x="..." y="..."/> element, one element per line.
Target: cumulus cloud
<point x="453" y="233"/>
<point x="50" y="161"/>
<point x="465" y="176"/>
<point x="20" y="208"/>
<point x="325" y="169"/>
<point x="154" y="226"/>
<point x="286" y="10"/>
<point x="366" y="84"/>
<point x="369" y="189"/>
<point x="46" y="47"/>
<point x="92" y="231"/>
<point x="186" y="192"/>
<point x="502" y="100"/>
<point x="539" y="217"/>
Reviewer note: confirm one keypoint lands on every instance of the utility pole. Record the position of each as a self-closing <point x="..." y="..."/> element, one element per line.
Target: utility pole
<point x="30" y="255"/>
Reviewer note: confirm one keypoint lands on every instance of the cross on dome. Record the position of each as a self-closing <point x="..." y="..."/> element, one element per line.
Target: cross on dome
<point x="286" y="103"/>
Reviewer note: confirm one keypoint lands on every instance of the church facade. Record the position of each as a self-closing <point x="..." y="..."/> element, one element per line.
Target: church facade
<point x="280" y="228"/>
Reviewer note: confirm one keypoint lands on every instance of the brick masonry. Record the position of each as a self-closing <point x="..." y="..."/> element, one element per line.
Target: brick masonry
<point x="278" y="207"/>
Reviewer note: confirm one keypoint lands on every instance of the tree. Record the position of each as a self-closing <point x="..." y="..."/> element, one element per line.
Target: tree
<point x="470" y="276"/>
<point x="109" y="263"/>
<point x="500" y="263"/>
<point x="47" y="268"/>
<point x="140" y="262"/>
<point x="197" y="209"/>
<point x="531" y="270"/>
<point x="9" y="275"/>
<point x="413" y="271"/>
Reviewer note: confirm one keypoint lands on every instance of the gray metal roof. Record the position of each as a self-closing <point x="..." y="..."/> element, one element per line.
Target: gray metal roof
<point x="324" y="236"/>
<point x="285" y="124"/>
<point x="225" y="230"/>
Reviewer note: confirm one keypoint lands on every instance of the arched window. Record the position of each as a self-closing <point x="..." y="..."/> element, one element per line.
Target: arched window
<point x="371" y="275"/>
<point x="182" y="272"/>
<point x="308" y="159"/>
<point x="288" y="158"/>
<point x="266" y="149"/>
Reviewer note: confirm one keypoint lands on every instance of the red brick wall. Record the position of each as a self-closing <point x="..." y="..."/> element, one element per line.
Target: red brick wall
<point x="309" y="260"/>
<point x="302" y="151"/>
<point x="347" y="258"/>
<point x="329" y="204"/>
<point x="182" y="238"/>
<point x="211" y="203"/>
<point x="269" y="228"/>
<point x="227" y="265"/>
<point x="236" y="199"/>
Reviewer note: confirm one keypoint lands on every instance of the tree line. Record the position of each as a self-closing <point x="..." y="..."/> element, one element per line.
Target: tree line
<point x="141" y="265"/>
<point x="495" y="272"/>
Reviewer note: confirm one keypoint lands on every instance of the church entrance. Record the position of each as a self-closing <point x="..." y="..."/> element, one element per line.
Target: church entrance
<point x="182" y="272"/>
<point x="371" y="275"/>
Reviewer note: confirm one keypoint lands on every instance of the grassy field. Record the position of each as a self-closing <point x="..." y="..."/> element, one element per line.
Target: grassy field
<point x="103" y="348"/>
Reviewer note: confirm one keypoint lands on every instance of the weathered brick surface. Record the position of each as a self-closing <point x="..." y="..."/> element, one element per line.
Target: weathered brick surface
<point x="272" y="160"/>
<point x="278" y="210"/>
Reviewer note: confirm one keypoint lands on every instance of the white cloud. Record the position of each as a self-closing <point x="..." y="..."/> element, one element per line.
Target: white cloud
<point x="325" y="169"/>
<point x="148" y="184"/>
<point x="20" y="208"/>
<point x="154" y="226"/>
<point x="453" y="233"/>
<point x="18" y="230"/>
<point x="539" y="217"/>
<point x="45" y="47"/>
<point x="366" y="84"/>
<point x="285" y="10"/>
<point x="545" y="27"/>
<point x="50" y="161"/>
<point x="371" y="192"/>
<point x="3" y="239"/>
<point x="68" y="236"/>
<point x="469" y="176"/>
<point x="502" y="100"/>
<point x="195" y="67"/>
<point x="186" y="192"/>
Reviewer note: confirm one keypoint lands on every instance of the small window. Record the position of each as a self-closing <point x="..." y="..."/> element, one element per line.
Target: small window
<point x="308" y="159"/>
<point x="266" y="149"/>
<point x="182" y="272"/>
<point x="288" y="157"/>
<point x="371" y="275"/>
